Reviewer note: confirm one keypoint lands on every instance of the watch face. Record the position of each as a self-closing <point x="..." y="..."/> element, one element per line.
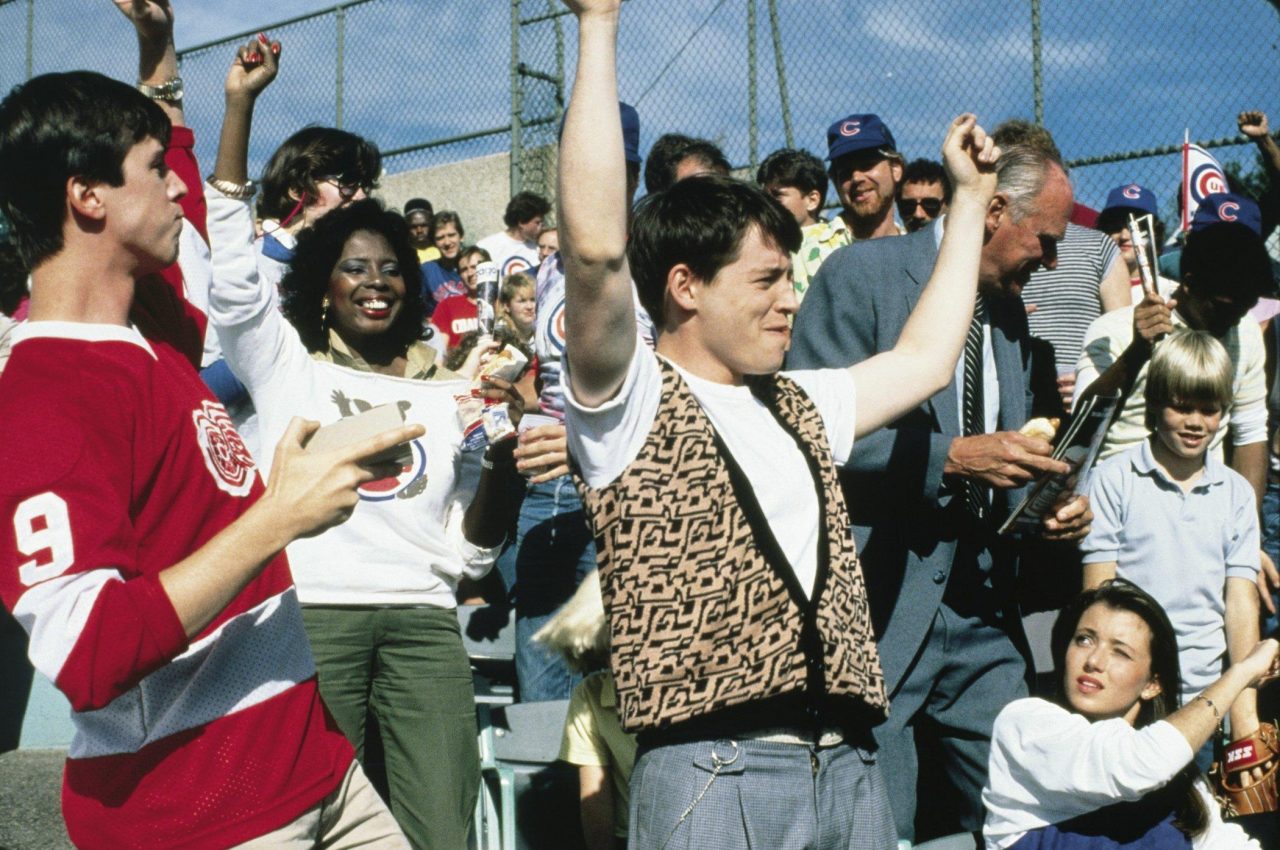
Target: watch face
<point x="170" y="90"/>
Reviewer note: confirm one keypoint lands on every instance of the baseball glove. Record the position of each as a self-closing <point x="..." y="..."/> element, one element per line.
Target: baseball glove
<point x="1237" y="791"/>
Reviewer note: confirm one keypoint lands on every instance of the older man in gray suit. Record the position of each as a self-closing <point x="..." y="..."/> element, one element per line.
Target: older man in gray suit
<point x="927" y="493"/>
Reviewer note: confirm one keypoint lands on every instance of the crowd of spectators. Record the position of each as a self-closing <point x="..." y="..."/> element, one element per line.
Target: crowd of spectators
<point x="737" y="467"/>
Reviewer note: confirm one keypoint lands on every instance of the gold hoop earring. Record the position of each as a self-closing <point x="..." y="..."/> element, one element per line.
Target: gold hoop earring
<point x="324" y="312"/>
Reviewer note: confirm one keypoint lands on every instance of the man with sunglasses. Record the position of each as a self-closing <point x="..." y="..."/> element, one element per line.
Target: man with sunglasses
<point x="923" y="193"/>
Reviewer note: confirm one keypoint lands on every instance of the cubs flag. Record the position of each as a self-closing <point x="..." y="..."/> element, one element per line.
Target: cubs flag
<point x="1201" y="176"/>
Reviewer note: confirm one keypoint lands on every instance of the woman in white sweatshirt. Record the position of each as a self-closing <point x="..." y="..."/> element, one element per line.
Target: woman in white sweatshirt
<point x="378" y="590"/>
<point x="1110" y="763"/>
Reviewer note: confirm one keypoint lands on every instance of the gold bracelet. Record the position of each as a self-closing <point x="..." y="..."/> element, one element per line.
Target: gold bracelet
<point x="235" y="191"/>
<point x="1216" y="716"/>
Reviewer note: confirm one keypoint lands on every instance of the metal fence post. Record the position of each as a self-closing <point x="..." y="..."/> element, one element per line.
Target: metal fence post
<point x="1037" y="66"/>
<point x="753" y="152"/>
<point x="31" y="37"/>
<point x="783" y="98"/>
<point x="340" y="62"/>
<point x="517" y="102"/>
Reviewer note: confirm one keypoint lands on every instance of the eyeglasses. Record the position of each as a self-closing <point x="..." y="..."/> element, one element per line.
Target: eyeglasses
<point x="346" y="188"/>
<point x="931" y="206"/>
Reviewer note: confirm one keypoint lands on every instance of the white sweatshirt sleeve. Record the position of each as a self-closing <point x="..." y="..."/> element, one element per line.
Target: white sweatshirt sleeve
<point x="1049" y="765"/>
<point x="476" y="560"/>
<point x="257" y="341"/>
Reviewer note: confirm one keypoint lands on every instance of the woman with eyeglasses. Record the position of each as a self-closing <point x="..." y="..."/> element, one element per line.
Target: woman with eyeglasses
<point x="316" y="170"/>
<point x="377" y="591"/>
<point x="1108" y="764"/>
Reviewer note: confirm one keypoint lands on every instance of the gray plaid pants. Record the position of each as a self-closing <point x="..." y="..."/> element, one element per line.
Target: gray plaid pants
<point x="765" y="796"/>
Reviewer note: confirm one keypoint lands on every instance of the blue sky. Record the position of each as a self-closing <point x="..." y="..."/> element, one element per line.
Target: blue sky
<point x="1117" y="76"/>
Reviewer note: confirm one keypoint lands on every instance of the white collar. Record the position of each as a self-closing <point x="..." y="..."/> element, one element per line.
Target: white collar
<point x="83" y="331"/>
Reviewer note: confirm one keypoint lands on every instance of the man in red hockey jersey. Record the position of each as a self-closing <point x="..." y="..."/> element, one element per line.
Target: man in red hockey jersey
<point x="138" y="546"/>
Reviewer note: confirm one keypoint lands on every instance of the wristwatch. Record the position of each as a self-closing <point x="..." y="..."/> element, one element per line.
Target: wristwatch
<point x="169" y="91"/>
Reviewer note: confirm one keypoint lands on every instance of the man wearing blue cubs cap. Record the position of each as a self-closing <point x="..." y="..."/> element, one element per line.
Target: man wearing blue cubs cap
<point x="866" y="169"/>
<point x="1227" y="207"/>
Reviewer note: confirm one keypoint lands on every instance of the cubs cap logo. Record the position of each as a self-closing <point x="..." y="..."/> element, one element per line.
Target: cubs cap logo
<point x="225" y="454"/>
<point x="851" y="128"/>
<point x="1133" y="191"/>
<point x="1229" y="211"/>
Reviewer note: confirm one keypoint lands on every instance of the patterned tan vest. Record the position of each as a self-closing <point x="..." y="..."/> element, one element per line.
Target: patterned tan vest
<point x="705" y="613"/>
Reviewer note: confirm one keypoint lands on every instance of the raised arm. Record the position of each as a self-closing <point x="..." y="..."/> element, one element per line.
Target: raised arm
<point x="255" y="66"/>
<point x="599" y="312"/>
<point x="923" y="360"/>
<point x="157" y="59"/>
<point x="1098" y="374"/>
<point x="256" y="340"/>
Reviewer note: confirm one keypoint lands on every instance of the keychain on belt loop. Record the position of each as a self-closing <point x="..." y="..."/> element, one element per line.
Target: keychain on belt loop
<point x="716" y="764"/>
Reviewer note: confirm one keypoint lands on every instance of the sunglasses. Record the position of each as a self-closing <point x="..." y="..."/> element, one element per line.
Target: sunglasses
<point x="346" y="188"/>
<point x="931" y="206"/>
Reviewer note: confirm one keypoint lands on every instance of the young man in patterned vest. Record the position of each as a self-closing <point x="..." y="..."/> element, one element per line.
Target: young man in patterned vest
<point x="741" y="641"/>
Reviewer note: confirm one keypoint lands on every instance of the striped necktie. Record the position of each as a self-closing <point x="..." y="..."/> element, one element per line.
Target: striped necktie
<point x="976" y="496"/>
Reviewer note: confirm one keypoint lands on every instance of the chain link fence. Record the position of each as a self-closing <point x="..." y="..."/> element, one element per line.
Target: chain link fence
<point x="444" y="82"/>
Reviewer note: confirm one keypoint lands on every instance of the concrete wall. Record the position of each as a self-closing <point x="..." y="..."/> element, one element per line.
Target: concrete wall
<point x="476" y="189"/>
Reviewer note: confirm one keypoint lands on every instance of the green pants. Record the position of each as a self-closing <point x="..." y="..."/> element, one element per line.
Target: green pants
<point x="408" y="667"/>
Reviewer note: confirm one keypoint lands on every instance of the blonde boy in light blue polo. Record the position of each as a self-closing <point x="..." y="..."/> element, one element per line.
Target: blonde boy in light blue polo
<point x="1181" y="524"/>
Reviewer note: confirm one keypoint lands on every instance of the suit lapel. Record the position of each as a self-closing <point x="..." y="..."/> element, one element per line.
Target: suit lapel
<point x="1006" y="336"/>
<point x="945" y="408"/>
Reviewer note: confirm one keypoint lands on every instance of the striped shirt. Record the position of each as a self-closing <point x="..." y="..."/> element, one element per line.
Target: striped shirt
<point x="1067" y="298"/>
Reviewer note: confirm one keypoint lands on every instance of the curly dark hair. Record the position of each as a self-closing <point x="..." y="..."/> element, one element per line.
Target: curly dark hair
<point x="319" y="247"/>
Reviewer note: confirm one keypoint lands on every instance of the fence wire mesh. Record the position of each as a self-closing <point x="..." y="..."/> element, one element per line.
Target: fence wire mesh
<point x="448" y="81"/>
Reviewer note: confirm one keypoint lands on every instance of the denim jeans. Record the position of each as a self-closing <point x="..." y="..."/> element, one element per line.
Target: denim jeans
<point x="554" y="551"/>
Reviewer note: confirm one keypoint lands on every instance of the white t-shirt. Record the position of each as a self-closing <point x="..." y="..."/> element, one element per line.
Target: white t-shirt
<point x="404" y="544"/>
<point x="605" y="440"/>
<point x="1049" y="765"/>
<point x="511" y="255"/>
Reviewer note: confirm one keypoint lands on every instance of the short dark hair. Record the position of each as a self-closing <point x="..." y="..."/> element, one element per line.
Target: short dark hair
<point x="310" y="153"/>
<point x="796" y="168"/>
<point x="672" y="149"/>
<point x="444" y="217"/>
<point x="416" y="204"/>
<point x="13" y="278"/>
<point x="307" y="281"/>
<point x="1227" y="259"/>
<point x="58" y="126"/>
<point x="523" y="207"/>
<point x="484" y="255"/>
<point x="926" y="171"/>
<point x="700" y="222"/>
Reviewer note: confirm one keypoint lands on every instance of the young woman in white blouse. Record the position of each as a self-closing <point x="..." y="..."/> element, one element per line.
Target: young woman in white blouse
<point x="1109" y="764"/>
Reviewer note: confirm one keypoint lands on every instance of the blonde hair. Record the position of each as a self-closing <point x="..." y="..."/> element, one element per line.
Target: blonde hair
<point x="1189" y="366"/>
<point x="579" y="631"/>
<point x="513" y="283"/>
